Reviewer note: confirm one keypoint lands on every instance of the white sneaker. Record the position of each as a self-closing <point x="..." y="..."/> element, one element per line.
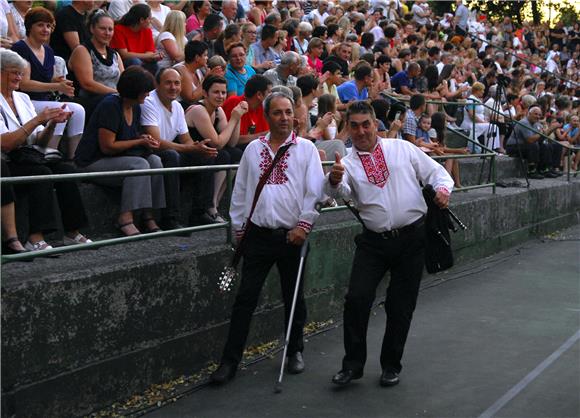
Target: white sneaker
<point x="79" y="239"/>
<point x="37" y="246"/>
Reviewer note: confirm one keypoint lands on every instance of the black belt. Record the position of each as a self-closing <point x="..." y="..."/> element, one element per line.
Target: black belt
<point x="395" y="233"/>
<point x="269" y="232"/>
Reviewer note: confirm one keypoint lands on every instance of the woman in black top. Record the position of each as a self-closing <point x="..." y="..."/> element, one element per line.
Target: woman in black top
<point x="114" y="141"/>
<point x="207" y="120"/>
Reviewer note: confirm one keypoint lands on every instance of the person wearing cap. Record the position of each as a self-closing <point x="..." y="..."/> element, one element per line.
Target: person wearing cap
<point x="382" y="176"/>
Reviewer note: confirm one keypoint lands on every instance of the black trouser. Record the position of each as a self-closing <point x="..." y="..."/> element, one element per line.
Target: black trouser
<point x="40" y="198"/>
<point x="542" y="153"/>
<point x="404" y="256"/>
<point x="264" y="248"/>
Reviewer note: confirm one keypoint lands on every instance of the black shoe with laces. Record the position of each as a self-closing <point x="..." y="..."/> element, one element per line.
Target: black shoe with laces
<point x="295" y="363"/>
<point x="535" y="175"/>
<point x="344" y="377"/>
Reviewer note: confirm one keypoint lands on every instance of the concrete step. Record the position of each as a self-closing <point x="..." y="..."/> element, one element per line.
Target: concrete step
<point x="83" y="330"/>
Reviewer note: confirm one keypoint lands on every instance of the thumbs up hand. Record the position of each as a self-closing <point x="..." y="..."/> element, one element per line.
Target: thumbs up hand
<point x="337" y="171"/>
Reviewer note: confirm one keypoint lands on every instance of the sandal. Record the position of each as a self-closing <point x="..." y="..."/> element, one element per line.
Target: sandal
<point x="122" y="231"/>
<point x="150" y="230"/>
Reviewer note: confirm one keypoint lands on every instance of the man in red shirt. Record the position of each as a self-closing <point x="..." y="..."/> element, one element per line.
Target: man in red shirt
<point x="253" y="123"/>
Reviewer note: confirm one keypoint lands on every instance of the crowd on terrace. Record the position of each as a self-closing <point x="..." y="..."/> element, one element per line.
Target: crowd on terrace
<point x="131" y="84"/>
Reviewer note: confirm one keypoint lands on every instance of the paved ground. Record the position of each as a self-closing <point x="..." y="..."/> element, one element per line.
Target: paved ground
<point x="499" y="337"/>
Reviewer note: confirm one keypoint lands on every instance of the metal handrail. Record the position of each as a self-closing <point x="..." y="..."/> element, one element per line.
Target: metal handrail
<point x="159" y="171"/>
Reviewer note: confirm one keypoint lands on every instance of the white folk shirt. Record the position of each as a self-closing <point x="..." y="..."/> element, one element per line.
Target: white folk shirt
<point x="289" y="197"/>
<point x="384" y="184"/>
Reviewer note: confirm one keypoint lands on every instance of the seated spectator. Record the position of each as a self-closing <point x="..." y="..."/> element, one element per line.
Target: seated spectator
<point x="439" y="124"/>
<point x="328" y="141"/>
<point x="237" y="72"/>
<point x="10" y="242"/>
<point x="70" y="30"/>
<point x="417" y="106"/>
<point x="285" y="74"/>
<point x="192" y="72"/>
<point x="300" y="41"/>
<point x="424" y="134"/>
<point x="209" y="33"/>
<point x="403" y="83"/>
<point x="201" y="10"/>
<point x="133" y="39"/>
<point x="253" y="124"/>
<point x="474" y="113"/>
<point x="20" y="125"/>
<point x="381" y="73"/>
<point x="171" y="41"/>
<point x="96" y="66"/>
<point x="341" y="54"/>
<point x="114" y="141"/>
<point x="41" y="82"/>
<point x="230" y="36"/>
<point x="19" y="10"/>
<point x="163" y="118"/>
<point x="159" y="13"/>
<point x="249" y="36"/>
<point x="314" y="52"/>
<point x="218" y="65"/>
<point x="207" y="120"/>
<point x="333" y="80"/>
<point x="310" y="88"/>
<point x="542" y="156"/>
<point x="357" y="89"/>
<point x="279" y="47"/>
<point x="262" y="51"/>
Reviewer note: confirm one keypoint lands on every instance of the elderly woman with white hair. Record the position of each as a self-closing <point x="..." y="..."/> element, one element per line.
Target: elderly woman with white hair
<point x="300" y="41"/>
<point x="21" y="125"/>
<point x="473" y="114"/>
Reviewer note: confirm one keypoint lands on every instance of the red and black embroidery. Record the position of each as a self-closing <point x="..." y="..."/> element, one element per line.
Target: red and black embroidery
<point x="375" y="167"/>
<point x="278" y="175"/>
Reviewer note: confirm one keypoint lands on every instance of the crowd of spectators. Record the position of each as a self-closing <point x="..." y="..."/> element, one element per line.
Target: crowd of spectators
<point x="133" y="84"/>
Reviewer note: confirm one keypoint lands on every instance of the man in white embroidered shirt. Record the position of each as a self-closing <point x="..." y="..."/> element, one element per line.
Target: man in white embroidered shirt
<point x="283" y="216"/>
<point x="382" y="177"/>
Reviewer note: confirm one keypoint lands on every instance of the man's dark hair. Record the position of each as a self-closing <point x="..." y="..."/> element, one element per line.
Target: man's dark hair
<point x="210" y="80"/>
<point x="362" y="71"/>
<point x="433" y="51"/>
<point x="448" y="47"/>
<point x="135" y="81"/>
<point x="194" y="49"/>
<point x="319" y="32"/>
<point x="417" y="100"/>
<point x="404" y="53"/>
<point x="255" y="84"/>
<point x="360" y="107"/>
<point x="390" y="32"/>
<point x="382" y="59"/>
<point x="236" y="45"/>
<point x="211" y="22"/>
<point x="268" y="32"/>
<point x="307" y="84"/>
<point x="331" y="66"/>
<point x="332" y="29"/>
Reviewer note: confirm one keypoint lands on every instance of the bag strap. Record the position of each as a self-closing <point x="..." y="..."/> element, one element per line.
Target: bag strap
<point x="261" y="183"/>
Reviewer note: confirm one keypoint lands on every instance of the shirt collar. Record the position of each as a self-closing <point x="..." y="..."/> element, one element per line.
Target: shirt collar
<point x="292" y="138"/>
<point x="359" y="152"/>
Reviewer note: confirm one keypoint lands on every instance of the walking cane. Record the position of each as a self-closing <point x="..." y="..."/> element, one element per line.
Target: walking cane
<point x="278" y="385"/>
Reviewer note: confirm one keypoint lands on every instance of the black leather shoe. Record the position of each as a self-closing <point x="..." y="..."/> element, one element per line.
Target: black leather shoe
<point x="224" y="373"/>
<point x="389" y="378"/>
<point x="295" y="363"/>
<point x="344" y="377"/>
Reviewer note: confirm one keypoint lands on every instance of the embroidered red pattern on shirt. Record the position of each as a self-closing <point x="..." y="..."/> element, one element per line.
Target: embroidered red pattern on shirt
<point x="278" y="175"/>
<point x="375" y="167"/>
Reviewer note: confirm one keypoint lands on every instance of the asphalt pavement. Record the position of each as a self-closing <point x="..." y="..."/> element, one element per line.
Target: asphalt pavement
<point x="497" y="337"/>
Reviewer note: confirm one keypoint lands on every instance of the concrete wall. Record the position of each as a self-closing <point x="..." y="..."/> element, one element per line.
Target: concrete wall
<point x="83" y="331"/>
